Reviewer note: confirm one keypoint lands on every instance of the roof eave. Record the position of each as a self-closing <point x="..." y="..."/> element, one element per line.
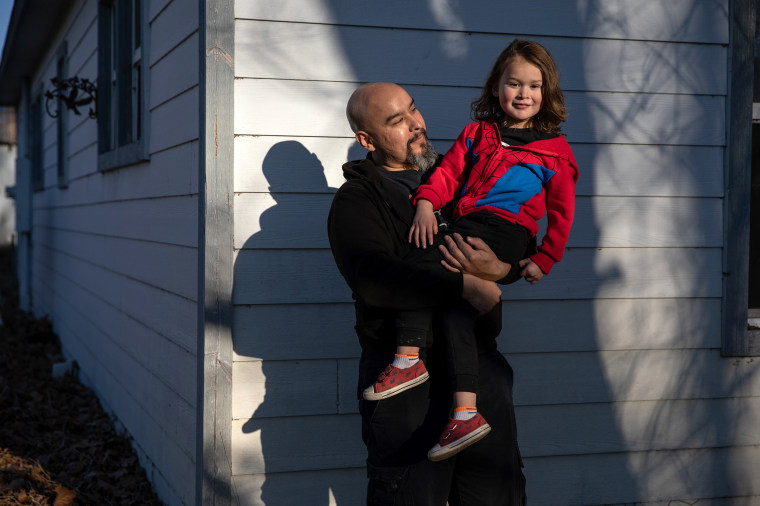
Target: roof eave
<point x="32" y="28"/>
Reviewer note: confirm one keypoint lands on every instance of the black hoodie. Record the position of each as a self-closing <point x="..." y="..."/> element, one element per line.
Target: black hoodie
<point x="368" y="227"/>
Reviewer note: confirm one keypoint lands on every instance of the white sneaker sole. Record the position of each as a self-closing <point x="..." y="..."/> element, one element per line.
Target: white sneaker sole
<point x="439" y="452"/>
<point x="370" y="395"/>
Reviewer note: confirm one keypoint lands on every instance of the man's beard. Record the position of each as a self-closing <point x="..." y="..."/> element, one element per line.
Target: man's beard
<point x="423" y="161"/>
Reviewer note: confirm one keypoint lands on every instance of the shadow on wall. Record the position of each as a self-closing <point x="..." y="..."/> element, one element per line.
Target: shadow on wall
<point x="270" y="352"/>
<point x="679" y="360"/>
<point x="580" y="444"/>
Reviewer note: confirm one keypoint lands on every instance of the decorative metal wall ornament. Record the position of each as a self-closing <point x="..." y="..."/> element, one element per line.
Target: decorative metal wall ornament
<point x="68" y="91"/>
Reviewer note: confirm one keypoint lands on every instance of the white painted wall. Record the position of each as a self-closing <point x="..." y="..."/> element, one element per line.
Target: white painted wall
<point x="114" y="255"/>
<point x="8" y="153"/>
<point x="622" y="394"/>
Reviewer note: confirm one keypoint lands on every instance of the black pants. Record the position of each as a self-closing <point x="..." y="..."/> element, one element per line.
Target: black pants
<point x="399" y="431"/>
<point x="510" y="243"/>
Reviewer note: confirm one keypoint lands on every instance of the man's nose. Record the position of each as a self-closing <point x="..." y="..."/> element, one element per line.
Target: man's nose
<point x="415" y="122"/>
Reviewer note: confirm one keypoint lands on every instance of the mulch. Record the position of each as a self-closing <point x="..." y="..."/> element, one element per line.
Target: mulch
<point x="57" y="445"/>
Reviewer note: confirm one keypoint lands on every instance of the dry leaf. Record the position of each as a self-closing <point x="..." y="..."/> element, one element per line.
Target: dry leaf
<point x="63" y="496"/>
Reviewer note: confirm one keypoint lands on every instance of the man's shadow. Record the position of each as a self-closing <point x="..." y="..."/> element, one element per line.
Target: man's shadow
<point x="290" y="170"/>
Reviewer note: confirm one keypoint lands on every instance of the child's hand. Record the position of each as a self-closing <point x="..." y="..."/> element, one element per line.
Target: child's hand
<point x="530" y="271"/>
<point x="424" y="225"/>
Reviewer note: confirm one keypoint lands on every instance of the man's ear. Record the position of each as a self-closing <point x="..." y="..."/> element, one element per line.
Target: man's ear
<point x="365" y="140"/>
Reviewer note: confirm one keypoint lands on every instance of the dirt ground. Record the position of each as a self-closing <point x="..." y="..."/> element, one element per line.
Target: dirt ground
<point x="57" y="446"/>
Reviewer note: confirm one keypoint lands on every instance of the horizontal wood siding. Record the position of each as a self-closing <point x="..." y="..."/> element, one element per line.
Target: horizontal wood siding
<point x="114" y="255"/>
<point x="622" y="386"/>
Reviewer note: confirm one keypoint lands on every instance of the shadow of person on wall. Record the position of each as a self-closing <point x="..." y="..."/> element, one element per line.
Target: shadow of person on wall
<point x="272" y="345"/>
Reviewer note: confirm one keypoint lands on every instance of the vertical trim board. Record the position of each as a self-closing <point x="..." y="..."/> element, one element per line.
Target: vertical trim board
<point x="215" y="254"/>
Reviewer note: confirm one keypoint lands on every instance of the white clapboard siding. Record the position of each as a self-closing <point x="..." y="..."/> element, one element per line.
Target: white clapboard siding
<point x="328" y="487"/>
<point x="293" y="388"/>
<point x="175" y="122"/>
<point x="175" y="73"/>
<point x="313" y="165"/>
<point x="609" y="324"/>
<point x="83" y="149"/>
<point x="303" y="276"/>
<point x="166" y="267"/>
<point x="637" y="426"/>
<point x="171" y="25"/>
<point x="646" y="375"/>
<point x="84" y="158"/>
<point x="82" y="38"/>
<point x="675" y="20"/>
<point x="660" y="477"/>
<point x="156" y="7"/>
<point x="82" y="20"/>
<point x="296" y="50"/>
<point x="146" y="390"/>
<point x="158" y="357"/>
<point x="277" y="332"/>
<point x="129" y="295"/>
<point x="599" y="221"/>
<point x="623" y="385"/>
<point x="171" y="220"/>
<point x="628" y="118"/>
<point x="275" y="445"/>
<point x="291" y="164"/>
<point x="164" y="460"/>
<point x="114" y="260"/>
<point x="92" y="187"/>
<point x="542" y="379"/>
<point x="173" y="178"/>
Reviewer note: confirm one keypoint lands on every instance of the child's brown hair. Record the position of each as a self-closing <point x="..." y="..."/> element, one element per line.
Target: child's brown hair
<point x="552" y="112"/>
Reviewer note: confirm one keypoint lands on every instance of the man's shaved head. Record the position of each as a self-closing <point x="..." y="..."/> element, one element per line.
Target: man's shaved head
<point x="386" y="123"/>
<point x="363" y="98"/>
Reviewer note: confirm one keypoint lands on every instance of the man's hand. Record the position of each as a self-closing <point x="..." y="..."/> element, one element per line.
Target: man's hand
<point x="530" y="271"/>
<point x="424" y="225"/>
<point x="481" y="294"/>
<point x="472" y="256"/>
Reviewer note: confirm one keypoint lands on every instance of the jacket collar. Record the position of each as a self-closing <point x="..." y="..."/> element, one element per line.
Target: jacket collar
<point x="365" y="170"/>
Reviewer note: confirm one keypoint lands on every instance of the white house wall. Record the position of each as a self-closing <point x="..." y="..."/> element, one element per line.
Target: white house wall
<point x="622" y="394"/>
<point x="114" y="255"/>
<point x="8" y="154"/>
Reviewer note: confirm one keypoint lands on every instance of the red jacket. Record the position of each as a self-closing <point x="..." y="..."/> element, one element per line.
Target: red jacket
<point x="518" y="183"/>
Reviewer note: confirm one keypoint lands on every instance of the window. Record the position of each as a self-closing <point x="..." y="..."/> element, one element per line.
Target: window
<point x="740" y="337"/>
<point x="754" y="219"/>
<point x="35" y="141"/>
<point x="62" y="125"/>
<point x="122" y="84"/>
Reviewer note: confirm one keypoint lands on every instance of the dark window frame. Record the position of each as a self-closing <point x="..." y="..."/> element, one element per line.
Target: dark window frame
<point x="738" y="338"/>
<point x="36" y="141"/>
<point x="123" y="83"/>
<point x="62" y="122"/>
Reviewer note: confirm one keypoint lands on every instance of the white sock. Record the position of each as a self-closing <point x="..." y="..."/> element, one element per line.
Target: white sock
<point x="405" y="361"/>
<point x="465" y="412"/>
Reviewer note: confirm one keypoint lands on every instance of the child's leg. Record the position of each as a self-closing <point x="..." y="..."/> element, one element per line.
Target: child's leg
<point x="407" y="370"/>
<point x="458" y="328"/>
<point x="466" y="427"/>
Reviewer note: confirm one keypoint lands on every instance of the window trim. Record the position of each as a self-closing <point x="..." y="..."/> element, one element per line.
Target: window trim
<point x="36" y="142"/>
<point x="62" y="122"/>
<point x="738" y="339"/>
<point x="136" y="151"/>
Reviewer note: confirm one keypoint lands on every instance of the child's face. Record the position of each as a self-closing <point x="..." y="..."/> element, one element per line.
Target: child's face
<point x="519" y="92"/>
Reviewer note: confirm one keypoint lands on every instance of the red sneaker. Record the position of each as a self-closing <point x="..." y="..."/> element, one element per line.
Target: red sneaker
<point x="458" y="435"/>
<point x="394" y="380"/>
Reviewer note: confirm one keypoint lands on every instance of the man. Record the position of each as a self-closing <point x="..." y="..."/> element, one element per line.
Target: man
<point x="368" y="228"/>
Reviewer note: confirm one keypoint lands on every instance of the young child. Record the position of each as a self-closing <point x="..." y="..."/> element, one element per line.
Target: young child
<point x="507" y="169"/>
